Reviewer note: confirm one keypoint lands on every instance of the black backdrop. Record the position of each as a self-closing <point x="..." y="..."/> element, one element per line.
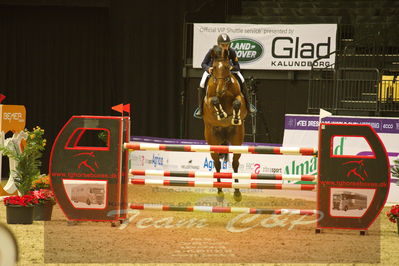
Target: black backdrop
<point x="71" y="59"/>
<point x="66" y="57"/>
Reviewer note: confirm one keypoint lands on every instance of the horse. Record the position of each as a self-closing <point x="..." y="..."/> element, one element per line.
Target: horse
<point x="224" y="112"/>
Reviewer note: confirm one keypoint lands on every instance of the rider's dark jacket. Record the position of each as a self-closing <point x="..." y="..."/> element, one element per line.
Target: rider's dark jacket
<point x="207" y="62"/>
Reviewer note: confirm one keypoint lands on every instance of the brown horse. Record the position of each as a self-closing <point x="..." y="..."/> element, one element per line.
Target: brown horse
<point x="224" y="112"/>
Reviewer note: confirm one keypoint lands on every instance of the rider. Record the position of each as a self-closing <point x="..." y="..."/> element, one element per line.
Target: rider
<point x="224" y="43"/>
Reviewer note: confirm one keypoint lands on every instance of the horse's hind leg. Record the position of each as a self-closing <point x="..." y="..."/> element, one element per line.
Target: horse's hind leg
<point x="237" y="139"/>
<point x="211" y="139"/>
<point x="218" y="166"/>
<point x="236" y="164"/>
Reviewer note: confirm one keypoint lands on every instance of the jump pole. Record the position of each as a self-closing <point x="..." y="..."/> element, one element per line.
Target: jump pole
<point x="197" y="183"/>
<point x="203" y="174"/>
<point x="132" y="146"/>
<point x="212" y="209"/>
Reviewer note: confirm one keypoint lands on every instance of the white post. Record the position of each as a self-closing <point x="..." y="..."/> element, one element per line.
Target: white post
<point x="2" y="134"/>
<point x="13" y="143"/>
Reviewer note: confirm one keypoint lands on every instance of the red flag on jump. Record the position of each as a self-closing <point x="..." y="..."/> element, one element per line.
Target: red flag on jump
<point x="118" y="108"/>
<point x="122" y="108"/>
<point x="126" y="108"/>
<point x="2" y="97"/>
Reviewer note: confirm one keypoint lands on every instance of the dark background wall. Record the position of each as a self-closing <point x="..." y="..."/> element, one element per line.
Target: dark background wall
<point x="64" y="58"/>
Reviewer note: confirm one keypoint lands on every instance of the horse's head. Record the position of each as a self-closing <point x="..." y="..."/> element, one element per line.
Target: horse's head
<point x="221" y="70"/>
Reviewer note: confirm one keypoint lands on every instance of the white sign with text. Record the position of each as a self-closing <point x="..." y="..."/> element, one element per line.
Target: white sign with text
<point x="270" y="47"/>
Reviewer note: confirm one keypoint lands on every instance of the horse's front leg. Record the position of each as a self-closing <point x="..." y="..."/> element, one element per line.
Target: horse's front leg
<point x="220" y="113"/>
<point x="236" y="120"/>
<point x="236" y="164"/>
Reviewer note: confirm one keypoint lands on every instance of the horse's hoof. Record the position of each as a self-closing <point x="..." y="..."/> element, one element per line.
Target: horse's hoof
<point x="237" y="196"/>
<point x="236" y="122"/>
<point x="220" y="196"/>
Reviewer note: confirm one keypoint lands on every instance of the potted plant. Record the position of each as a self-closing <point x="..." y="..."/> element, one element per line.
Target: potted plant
<point x="45" y="196"/>
<point x="20" y="209"/>
<point x="27" y="170"/>
<point x="393" y="215"/>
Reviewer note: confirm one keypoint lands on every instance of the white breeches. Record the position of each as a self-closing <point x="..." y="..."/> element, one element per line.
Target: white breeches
<point x="203" y="79"/>
<point x="240" y="76"/>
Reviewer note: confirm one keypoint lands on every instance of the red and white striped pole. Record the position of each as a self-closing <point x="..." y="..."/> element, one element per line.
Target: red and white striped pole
<point x="200" y="183"/>
<point x="220" y="148"/>
<point x="199" y="174"/>
<point x="216" y="209"/>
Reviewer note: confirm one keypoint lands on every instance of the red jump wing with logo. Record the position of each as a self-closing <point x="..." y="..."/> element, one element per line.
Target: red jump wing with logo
<point x="88" y="168"/>
<point x="353" y="187"/>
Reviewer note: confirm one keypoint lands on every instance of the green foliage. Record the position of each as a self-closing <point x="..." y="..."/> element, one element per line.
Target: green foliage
<point x="395" y="168"/>
<point x="28" y="161"/>
<point x="103" y="136"/>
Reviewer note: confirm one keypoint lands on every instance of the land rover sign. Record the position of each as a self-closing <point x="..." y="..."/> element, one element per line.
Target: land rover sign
<point x="247" y="50"/>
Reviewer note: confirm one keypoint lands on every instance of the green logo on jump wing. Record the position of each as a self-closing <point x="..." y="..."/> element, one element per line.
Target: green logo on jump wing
<point x="247" y="50"/>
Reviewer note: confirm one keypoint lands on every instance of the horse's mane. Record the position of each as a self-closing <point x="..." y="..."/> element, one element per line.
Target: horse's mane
<point x="217" y="53"/>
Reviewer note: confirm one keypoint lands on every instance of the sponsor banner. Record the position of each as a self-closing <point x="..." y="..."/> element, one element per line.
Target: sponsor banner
<point x="311" y="122"/>
<point x="302" y="130"/>
<point x="13" y="118"/>
<point x="192" y="161"/>
<point x="270" y="47"/>
<point x="188" y="141"/>
<point x="195" y="161"/>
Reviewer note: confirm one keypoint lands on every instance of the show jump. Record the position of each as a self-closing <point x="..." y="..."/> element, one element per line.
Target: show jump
<point x="89" y="173"/>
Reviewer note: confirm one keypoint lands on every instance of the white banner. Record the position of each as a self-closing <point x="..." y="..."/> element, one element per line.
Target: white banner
<point x="271" y="47"/>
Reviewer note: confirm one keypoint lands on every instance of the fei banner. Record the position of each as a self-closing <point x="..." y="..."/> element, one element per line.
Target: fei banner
<point x="270" y="47"/>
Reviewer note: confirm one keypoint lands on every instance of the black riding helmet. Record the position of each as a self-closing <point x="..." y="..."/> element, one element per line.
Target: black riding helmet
<point x="223" y="38"/>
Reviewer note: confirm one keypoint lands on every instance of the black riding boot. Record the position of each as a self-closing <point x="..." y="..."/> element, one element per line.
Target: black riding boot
<point x="244" y="92"/>
<point x="201" y="95"/>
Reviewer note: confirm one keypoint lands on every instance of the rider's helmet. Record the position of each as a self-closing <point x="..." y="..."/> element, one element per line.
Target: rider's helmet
<point x="223" y="39"/>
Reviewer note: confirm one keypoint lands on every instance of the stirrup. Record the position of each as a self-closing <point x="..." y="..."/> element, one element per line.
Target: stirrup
<point x="252" y="109"/>
<point x="197" y="113"/>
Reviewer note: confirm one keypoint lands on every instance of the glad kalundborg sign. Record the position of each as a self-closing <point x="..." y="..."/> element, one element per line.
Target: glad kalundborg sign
<point x="270" y="47"/>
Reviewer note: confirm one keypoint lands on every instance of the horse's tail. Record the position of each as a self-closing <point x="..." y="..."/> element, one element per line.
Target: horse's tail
<point x="224" y="156"/>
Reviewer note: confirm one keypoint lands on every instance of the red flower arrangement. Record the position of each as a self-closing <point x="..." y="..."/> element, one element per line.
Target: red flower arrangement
<point x="44" y="196"/>
<point x="393" y="214"/>
<point x="26" y="200"/>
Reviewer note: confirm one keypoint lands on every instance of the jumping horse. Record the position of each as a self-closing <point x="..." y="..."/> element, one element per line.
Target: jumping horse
<point x="224" y="112"/>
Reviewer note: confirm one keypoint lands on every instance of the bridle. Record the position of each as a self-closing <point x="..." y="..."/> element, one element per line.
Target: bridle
<point x="227" y="80"/>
